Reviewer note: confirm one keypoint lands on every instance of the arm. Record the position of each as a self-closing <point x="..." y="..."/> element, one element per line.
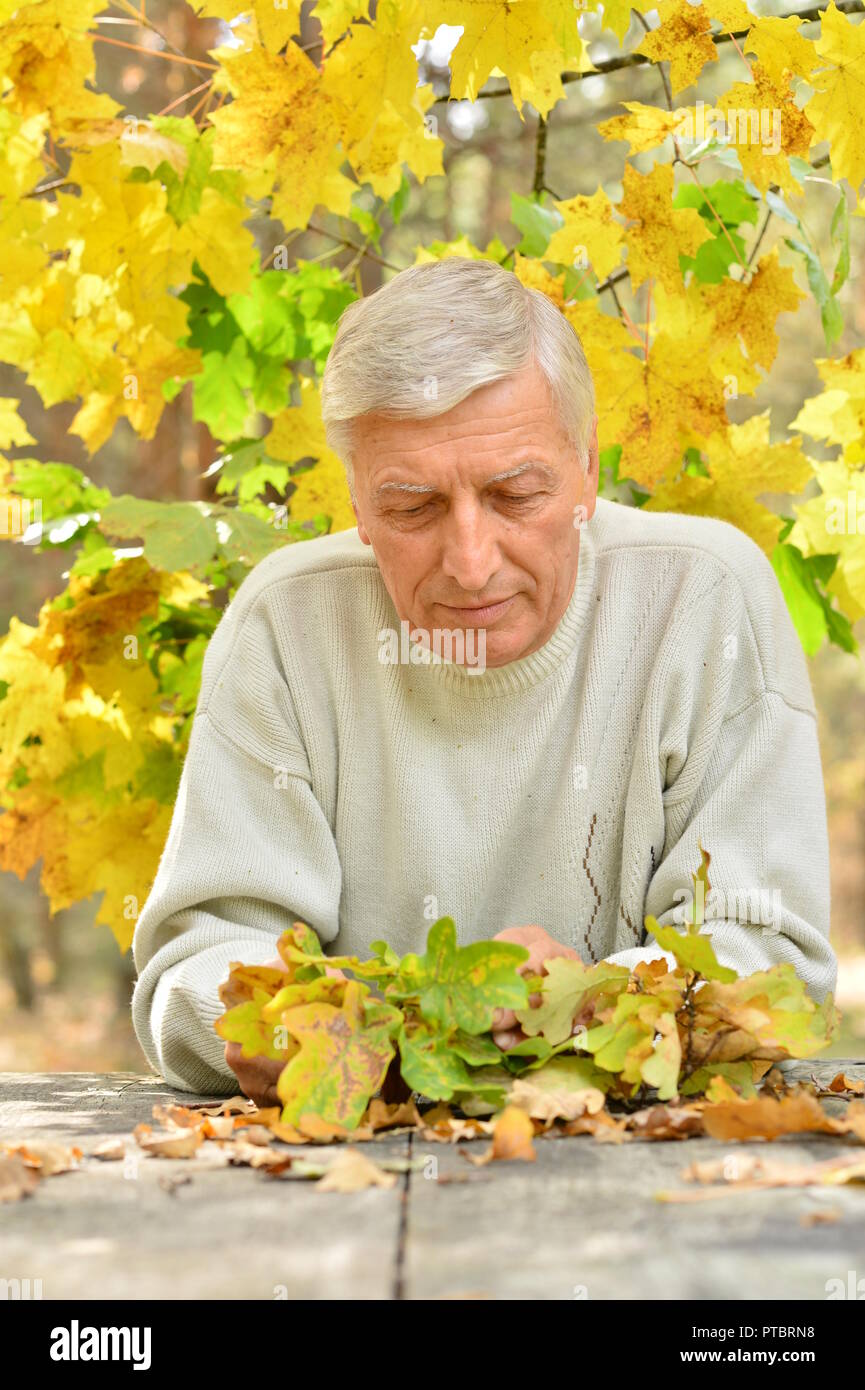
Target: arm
<point x="760" y="812"/>
<point x="248" y="853"/>
<point x="737" y="739"/>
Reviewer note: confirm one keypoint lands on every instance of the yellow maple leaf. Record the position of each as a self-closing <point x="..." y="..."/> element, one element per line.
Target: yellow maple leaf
<point x="743" y="315"/>
<point x="617" y="14"/>
<point x="834" y="522"/>
<point x="530" y="43"/>
<point x="283" y="126"/>
<point x="837" y="109"/>
<point x="13" y="431"/>
<point x="298" y="433"/>
<point x="21" y="143"/>
<point x="334" y="16"/>
<point x="683" y="39"/>
<point x="644" y="127"/>
<point x="671" y="402"/>
<point x="742" y="464"/>
<point x="764" y="125"/>
<point x="221" y="243"/>
<point x="663" y="232"/>
<point x="591" y="238"/>
<point x="837" y="414"/>
<point x="274" y="23"/>
<point x="46" y="59"/>
<point x="323" y="488"/>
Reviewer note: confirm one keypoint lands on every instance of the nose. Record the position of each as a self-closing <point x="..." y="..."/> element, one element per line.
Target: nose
<point x="470" y="554"/>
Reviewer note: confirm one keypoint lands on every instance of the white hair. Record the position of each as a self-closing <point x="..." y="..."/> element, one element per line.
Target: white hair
<point x="437" y="331"/>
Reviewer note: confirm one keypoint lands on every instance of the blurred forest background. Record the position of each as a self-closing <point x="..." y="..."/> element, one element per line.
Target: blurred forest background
<point x="65" y="988"/>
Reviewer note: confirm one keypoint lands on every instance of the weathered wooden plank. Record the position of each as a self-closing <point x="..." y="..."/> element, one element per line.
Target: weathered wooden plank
<point x="229" y="1233"/>
<point x="583" y="1217"/>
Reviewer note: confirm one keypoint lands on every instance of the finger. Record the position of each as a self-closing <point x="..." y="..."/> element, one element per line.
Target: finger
<point x="503" y="1019"/>
<point x="507" y="1038"/>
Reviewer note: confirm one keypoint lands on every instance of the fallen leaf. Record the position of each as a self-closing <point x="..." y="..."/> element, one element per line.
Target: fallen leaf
<point x="352" y="1171"/>
<point x="109" y="1149"/>
<point x="844" y="1083"/>
<point x="235" y="1105"/>
<point x="767" y="1118"/>
<point x="747" y="1173"/>
<point x="543" y="1104"/>
<point x="179" y="1144"/>
<point x="381" y="1115"/>
<point x="512" y="1137"/>
<point x="49" y="1158"/>
<point x="666" y="1122"/>
<point x="17" y="1178"/>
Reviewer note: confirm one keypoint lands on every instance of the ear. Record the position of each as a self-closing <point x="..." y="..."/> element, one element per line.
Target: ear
<point x="361" y="529"/>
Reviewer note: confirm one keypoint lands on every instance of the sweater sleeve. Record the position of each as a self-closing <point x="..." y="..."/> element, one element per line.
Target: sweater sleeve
<point x="738" y="743"/>
<point x="249" y="852"/>
<point x="760" y="812"/>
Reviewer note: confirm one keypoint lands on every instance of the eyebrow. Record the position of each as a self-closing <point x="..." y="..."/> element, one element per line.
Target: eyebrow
<point x="531" y="466"/>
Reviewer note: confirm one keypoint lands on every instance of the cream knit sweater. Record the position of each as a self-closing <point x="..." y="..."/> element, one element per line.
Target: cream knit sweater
<point x="568" y="788"/>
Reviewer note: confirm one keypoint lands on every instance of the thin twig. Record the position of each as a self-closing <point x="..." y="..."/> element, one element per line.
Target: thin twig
<point x="630" y="60"/>
<point x="152" y="52"/>
<point x="540" y="155"/>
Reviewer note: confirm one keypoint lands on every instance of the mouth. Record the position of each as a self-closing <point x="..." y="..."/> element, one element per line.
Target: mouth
<point x="481" y="615"/>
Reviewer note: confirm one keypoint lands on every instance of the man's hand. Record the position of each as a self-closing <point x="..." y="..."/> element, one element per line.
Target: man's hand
<point x="541" y="947"/>
<point x="257" y="1076"/>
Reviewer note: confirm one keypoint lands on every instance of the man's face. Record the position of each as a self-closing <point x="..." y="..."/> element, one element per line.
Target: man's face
<point x="474" y="550"/>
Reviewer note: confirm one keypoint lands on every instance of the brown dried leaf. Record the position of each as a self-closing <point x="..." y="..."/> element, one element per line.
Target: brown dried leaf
<point x="380" y="1115"/>
<point x="748" y="1173"/>
<point x="844" y="1083"/>
<point x="173" y="1117"/>
<point x="352" y="1171"/>
<point x="603" y="1127"/>
<point x="512" y="1135"/>
<point x="666" y="1122"/>
<point x="17" y="1178"/>
<point x="109" y="1149"/>
<point x="542" y="1104"/>
<point x="766" y="1118"/>
<point x="181" y="1143"/>
<point x="235" y="1105"/>
<point x="49" y="1158"/>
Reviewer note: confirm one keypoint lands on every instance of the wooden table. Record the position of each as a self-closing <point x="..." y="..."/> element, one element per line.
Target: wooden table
<point x="583" y="1216"/>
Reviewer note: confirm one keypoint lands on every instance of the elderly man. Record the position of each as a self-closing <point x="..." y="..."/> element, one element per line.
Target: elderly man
<point x="630" y="686"/>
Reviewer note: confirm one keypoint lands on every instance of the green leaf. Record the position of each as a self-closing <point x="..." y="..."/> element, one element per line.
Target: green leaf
<point x="429" y="1065"/>
<point x="462" y="986"/>
<point x="830" y="310"/>
<point x="219" y="397"/>
<point x="536" y="222"/>
<point x="692" y="950"/>
<point x="840" y="233"/>
<point x="813" y="615"/>
<point x="176" y="535"/>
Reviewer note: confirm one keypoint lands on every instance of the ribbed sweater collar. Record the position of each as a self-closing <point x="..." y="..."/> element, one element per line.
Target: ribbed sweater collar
<point x="526" y="671"/>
